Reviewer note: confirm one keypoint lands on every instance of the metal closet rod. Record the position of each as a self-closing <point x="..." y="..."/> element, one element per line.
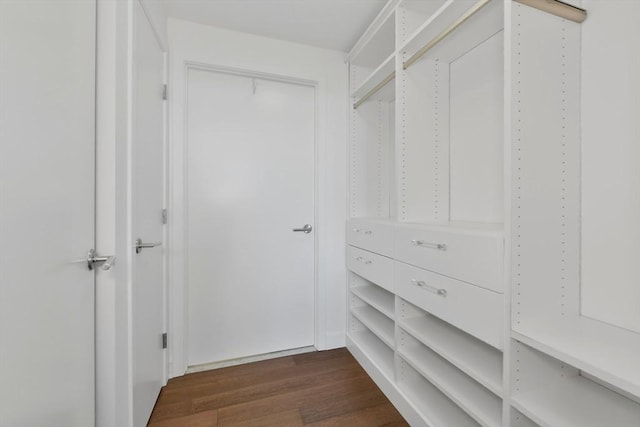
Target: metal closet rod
<point x="374" y="90"/>
<point x="554" y="7"/>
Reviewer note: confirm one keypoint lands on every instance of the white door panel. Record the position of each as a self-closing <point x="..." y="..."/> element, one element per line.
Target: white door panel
<point x="250" y="182"/>
<point x="47" y="104"/>
<point x="147" y="198"/>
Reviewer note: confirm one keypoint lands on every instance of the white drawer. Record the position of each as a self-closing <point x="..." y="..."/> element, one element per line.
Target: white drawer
<point x="372" y="235"/>
<point x="469" y="256"/>
<point x="475" y="310"/>
<point x="373" y="267"/>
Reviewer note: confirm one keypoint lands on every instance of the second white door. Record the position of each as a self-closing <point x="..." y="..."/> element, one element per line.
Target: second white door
<point x="251" y="145"/>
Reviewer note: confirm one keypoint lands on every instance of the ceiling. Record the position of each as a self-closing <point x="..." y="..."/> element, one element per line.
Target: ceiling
<point x="330" y="24"/>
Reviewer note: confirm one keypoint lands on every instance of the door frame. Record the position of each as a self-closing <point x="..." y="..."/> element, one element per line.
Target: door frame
<point x="114" y="234"/>
<point x="178" y="274"/>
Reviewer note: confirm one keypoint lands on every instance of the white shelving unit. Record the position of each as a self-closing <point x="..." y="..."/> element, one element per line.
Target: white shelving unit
<point x="433" y="406"/>
<point x="376" y="297"/>
<point x="475" y="358"/>
<point x="376" y="322"/>
<point x="552" y="393"/>
<point x="467" y="159"/>
<point x="477" y="401"/>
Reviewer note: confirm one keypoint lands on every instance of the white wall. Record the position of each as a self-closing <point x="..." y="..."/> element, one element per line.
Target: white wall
<point x="113" y="207"/>
<point x="194" y="43"/>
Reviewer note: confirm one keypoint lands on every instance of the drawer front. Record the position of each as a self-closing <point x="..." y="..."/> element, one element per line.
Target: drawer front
<point x="370" y="235"/>
<point x="373" y="267"/>
<point x="472" y="258"/>
<point x="477" y="311"/>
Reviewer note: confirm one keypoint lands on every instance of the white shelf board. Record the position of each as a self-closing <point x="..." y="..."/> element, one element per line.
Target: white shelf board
<point x="485" y="23"/>
<point x="376" y="77"/>
<point x="607" y="352"/>
<point x="377" y="323"/>
<point x="378" y="41"/>
<point x="426" y="8"/>
<point x="435" y="408"/>
<point x="477" y="401"/>
<point x="576" y="401"/>
<point x="480" y="361"/>
<point x="377" y="351"/>
<point x="376" y="297"/>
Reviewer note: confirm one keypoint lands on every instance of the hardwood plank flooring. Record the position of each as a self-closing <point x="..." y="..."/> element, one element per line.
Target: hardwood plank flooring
<point x="320" y="389"/>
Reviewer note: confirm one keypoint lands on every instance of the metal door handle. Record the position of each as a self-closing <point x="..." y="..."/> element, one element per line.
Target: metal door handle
<point x="106" y="261"/>
<point x="306" y="229"/>
<point x="140" y="245"/>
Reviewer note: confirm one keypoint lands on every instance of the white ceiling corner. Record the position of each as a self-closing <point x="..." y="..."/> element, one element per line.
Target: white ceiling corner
<point x="330" y="24"/>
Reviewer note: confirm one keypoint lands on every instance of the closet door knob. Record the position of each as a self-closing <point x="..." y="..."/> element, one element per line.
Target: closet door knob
<point x="306" y="229"/>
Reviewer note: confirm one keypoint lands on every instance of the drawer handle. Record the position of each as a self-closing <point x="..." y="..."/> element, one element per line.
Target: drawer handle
<point x="423" y="244"/>
<point x="359" y="230"/>
<point x="361" y="259"/>
<point x="432" y="289"/>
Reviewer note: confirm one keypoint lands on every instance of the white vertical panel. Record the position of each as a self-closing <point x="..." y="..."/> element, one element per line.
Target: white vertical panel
<point x="545" y="165"/>
<point x="476" y="140"/>
<point x="611" y="163"/>
<point x="422" y="146"/>
<point x="370" y="160"/>
<point x="147" y="202"/>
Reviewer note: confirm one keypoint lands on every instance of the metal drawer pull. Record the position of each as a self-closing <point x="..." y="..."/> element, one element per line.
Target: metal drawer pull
<point x="423" y="244"/>
<point x="433" y="289"/>
<point x="361" y="259"/>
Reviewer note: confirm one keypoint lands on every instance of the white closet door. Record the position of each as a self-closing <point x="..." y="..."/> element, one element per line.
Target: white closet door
<point x="148" y="199"/>
<point x="250" y="182"/>
<point x="47" y="176"/>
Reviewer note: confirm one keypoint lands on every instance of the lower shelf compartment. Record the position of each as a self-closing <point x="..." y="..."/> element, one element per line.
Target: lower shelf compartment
<point x="376" y="322"/>
<point x="379" y="353"/>
<point x="436" y="409"/>
<point x="551" y="393"/>
<point x="480" y="403"/>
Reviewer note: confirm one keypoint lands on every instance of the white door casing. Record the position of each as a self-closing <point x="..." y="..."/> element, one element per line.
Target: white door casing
<point x="147" y="224"/>
<point x="251" y="145"/>
<point x="47" y="109"/>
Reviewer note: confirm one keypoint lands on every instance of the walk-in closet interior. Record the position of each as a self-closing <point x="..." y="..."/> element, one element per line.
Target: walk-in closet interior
<point x="292" y="213"/>
<point x="492" y="238"/>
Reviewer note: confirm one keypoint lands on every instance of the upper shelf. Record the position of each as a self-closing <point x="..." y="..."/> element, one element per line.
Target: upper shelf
<point x="457" y="27"/>
<point x="378" y="41"/>
<point x="379" y="85"/>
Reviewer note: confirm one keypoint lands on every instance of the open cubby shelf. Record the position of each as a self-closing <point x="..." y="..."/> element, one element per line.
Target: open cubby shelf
<point x="553" y="393"/>
<point x="480" y="361"/>
<point x="376" y="350"/>
<point x="376" y="297"/>
<point x="435" y="408"/>
<point x="480" y="403"/>
<point x="376" y="322"/>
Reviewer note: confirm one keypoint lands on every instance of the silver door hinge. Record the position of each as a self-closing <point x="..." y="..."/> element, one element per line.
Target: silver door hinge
<point x="164" y="93"/>
<point x="164" y="340"/>
<point x="164" y="216"/>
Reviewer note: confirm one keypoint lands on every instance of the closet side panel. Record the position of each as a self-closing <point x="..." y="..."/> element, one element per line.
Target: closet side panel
<point x="611" y="164"/>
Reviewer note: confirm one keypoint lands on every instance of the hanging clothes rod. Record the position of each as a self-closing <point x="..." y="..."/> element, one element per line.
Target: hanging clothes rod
<point x="558" y="8"/>
<point x="437" y="39"/>
<point x="554" y="7"/>
<point x="374" y="90"/>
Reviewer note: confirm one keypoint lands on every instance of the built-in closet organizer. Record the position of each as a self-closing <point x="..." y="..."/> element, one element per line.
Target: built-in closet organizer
<point x="458" y="107"/>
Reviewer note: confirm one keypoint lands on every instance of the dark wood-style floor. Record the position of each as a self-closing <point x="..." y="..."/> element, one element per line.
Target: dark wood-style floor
<point x="326" y="388"/>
